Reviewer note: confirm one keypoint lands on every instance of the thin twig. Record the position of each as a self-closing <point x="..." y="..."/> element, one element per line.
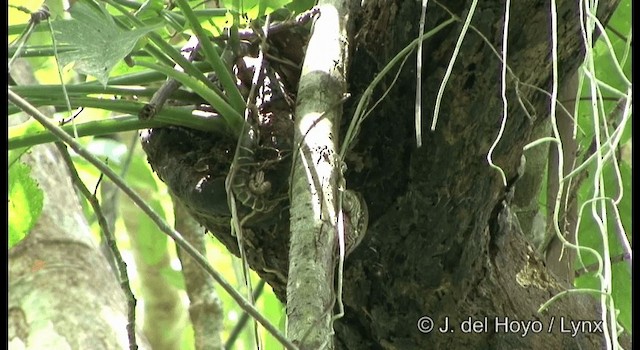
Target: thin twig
<point x="617" y="33"/>
<point x="258" y="78"/>
<point x="108" y="237"/>
<point x="36" y="18"/>
<point x="235" y="332"/>
<point x="170" y="86"/>
<point x="454" y="56"/>
<point x="595" y="266"/>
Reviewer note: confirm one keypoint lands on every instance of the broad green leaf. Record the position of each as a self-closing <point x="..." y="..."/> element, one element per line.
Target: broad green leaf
<point x="25" y="202"/>
<point x="618" y="27"/>
<point x="624" y="207"/>
<point x="30" y="126"/>
<point x="97" y="42"/>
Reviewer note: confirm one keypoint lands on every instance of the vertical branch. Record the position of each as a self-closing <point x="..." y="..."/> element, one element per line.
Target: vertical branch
<point x="205" y="308"/>
<point x="164" y="314"/>
<point x="316" y="174"/>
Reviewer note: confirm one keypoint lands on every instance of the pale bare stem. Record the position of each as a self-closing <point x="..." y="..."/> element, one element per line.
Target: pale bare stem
<point x="315" y="181"/>
<point x="385" y="93"/>
<point x="454" y="56"/>
<point x="555" y="251"/>
<point x="503" y="91"/>
<point x="594" y="268"/>
<point x="418" y="107"/>
<point x="558" y="169"/>
<point x="559" y="166"/>
<point x="162" y="225"/>
<point x="362" y="109"/>
<point x="517" y="79"/>
<point x="556" y="132"/>
<point x="605" y="298"/>
<point x="597" y="256"/>
<point x="62" y="83"/>
<point x="609" y="146"/>
<point x="612" y="142"/>
<point x="620" y="232"/>
<point x="627" y="47"/>
<point x="566" y="293"/>
<point x="610" y="50"/>
<point x="598" y="207"/>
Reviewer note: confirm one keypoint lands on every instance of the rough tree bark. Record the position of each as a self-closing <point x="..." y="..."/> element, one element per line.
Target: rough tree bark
<point x="443" y="240"/>
<point x="445" y="245"/>
<point x="314" y="183"/>
<point x="63" y="295"/>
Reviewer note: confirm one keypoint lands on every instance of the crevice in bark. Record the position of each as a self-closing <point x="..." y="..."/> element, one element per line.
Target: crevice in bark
<point x="432" y="249"/>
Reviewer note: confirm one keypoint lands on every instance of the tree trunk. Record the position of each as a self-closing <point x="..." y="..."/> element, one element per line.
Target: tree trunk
<point x="445" y="243"/>
<point x="63" y="295"/>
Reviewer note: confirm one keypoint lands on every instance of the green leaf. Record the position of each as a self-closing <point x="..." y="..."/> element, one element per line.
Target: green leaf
<point x="256" y="8"/>
<point x="590" y="233"/>
<point x="25" y="202"/>
<point x="299" y="6"/>
<point x="149" y="9"/>
<point x="56" y="8"/>
<point x="97" y="42"/>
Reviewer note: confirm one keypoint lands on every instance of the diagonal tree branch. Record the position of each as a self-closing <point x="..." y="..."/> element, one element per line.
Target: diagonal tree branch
<point x="205" y="308"/>
<point x="176" y="236"/>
